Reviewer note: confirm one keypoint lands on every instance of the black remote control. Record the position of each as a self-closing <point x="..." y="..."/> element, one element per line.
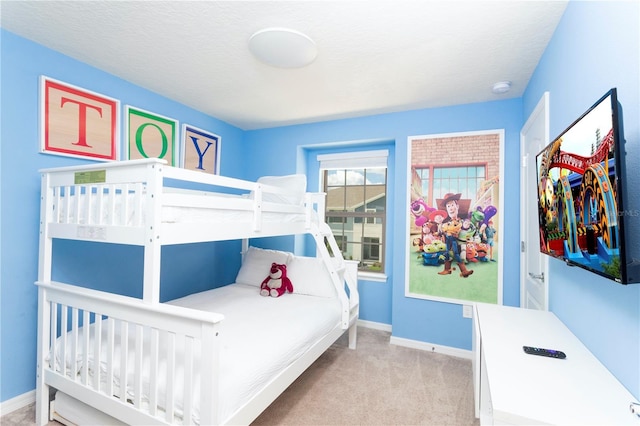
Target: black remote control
<point x="544" y="352"/>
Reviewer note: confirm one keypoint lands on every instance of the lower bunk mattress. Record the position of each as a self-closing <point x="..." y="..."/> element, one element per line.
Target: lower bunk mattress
<point x="260" y="337"/>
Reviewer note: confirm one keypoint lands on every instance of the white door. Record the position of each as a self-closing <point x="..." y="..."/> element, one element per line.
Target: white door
<point x="534" y="274"/>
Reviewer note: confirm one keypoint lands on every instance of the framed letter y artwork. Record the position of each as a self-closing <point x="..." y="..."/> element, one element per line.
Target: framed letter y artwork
<point x="200" y="150"/>
<point x="454" y="237"/>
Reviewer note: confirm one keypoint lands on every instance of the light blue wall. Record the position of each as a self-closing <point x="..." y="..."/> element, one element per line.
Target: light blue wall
<point x="596" y="47"/>
<point x="575" y="69"/>
<point x="428" y="321"/>
<point x="22" y="64"/>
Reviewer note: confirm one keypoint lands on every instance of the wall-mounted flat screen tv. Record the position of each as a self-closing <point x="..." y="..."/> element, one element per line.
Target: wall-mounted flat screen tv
<point x="581" y="178"/>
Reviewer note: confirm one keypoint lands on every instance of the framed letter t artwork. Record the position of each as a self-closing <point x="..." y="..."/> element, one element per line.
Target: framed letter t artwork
<point x="75" y="122"/>
<point x="456" y="217"/>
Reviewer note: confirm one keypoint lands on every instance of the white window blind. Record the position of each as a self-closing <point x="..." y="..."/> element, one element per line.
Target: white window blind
<point x="354" y="160"/>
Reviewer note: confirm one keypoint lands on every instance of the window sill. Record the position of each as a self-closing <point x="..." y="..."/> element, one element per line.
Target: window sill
<point x="372" y="276"/>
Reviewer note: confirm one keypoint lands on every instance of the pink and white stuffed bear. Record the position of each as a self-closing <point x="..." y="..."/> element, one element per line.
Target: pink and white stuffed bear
<point x="276" y="282"/>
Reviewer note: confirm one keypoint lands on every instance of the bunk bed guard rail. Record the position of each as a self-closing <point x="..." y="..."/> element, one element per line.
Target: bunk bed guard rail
<point x="164" y="337"/>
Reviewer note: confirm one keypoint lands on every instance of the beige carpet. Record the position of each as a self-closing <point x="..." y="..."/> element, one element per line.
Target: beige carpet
<point x="377" y="384"/>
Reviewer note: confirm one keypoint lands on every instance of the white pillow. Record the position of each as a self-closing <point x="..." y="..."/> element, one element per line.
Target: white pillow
<point x="257" y="264"/>
<point x="310" y="276"/>
<point x="296" y="185"/>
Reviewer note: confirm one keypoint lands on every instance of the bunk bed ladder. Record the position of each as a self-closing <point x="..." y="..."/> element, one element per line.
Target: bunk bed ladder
<point x="328" y="249"/>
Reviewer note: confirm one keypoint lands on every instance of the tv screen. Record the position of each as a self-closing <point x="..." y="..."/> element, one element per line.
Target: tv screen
<point x="580" y="178"/>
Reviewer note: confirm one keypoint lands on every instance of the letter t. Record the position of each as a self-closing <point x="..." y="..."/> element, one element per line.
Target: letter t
<point x="82" y="119"/>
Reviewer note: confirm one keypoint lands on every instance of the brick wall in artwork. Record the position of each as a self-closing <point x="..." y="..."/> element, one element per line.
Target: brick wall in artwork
<point x="458" y="150"/>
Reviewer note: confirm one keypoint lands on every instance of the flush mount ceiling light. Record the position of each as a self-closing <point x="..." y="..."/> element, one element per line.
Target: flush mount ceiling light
<point x="501" y="87"/>
<point x="283" y="48"/>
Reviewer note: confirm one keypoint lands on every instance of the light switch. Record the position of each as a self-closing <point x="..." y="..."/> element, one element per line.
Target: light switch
<point x="467" y="311"/>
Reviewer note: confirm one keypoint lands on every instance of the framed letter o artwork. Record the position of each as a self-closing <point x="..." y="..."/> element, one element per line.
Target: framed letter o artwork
<point x="149" y="135"/>
<point x="456" y="217"/>
<point x="75" y="122"/>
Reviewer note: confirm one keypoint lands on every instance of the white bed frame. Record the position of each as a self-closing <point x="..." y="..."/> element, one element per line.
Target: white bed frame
<point x="66" y="307"/>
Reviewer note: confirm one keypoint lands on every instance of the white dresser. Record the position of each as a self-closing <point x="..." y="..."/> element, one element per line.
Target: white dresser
<point x="514" y="388"/>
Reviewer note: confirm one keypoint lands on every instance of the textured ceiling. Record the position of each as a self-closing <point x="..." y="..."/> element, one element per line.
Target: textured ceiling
<point x="373" y="56"/>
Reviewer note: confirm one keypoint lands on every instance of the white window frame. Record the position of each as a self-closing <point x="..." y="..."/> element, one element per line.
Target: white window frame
<point x="357" y="160"/>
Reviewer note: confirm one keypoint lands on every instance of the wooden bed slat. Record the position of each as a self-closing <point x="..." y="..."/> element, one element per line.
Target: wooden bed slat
<point x="124" y="359"/>
<point x="67" y="200"/>
<point x="53" y="335"/>
<point x="56" y="218"/>
<point x="63" y="346"/>
<point x="110" y="355"/>
<point x="138" y="204"/>
<point x="100" y="203"/>
<point x="74" y="342"/>
<point x="138" y="371"/>
<point x="76" y="203"/>
<point x="125" y="210"/>
<point x="86" y="337"/>
<point x="153" y="373"/>
<point x="112" y="204"/>
<point x="170" y="374"/>
<point x="187" y="398"/>
<point x="97" y="352"/>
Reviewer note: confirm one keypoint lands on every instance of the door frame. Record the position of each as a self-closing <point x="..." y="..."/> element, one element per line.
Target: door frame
<point x="541" y="108"/>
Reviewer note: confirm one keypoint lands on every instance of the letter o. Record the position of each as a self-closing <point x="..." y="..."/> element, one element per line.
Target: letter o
<point x="165" y="142"/>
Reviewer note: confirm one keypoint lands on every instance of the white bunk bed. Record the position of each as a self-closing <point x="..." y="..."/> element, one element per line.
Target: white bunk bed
<point x="215" y="357"/>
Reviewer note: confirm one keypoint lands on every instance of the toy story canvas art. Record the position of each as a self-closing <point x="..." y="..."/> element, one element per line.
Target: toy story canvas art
<point x="455" y="217"/>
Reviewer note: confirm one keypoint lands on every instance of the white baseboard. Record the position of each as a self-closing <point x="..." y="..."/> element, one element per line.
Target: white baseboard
<point x="431" y="347"/>
<point x="374" y="325"/>
<point x="16" y="403"/>
<point x="415" y="344"/>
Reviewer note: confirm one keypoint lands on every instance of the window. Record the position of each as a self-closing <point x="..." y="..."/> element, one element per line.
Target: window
<point x="356" y="205"/>
<point x="371" y="219"/>
<point x="342" y="242"/>
<point x="438" y="181"/>
<point x="371" y="247"/>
